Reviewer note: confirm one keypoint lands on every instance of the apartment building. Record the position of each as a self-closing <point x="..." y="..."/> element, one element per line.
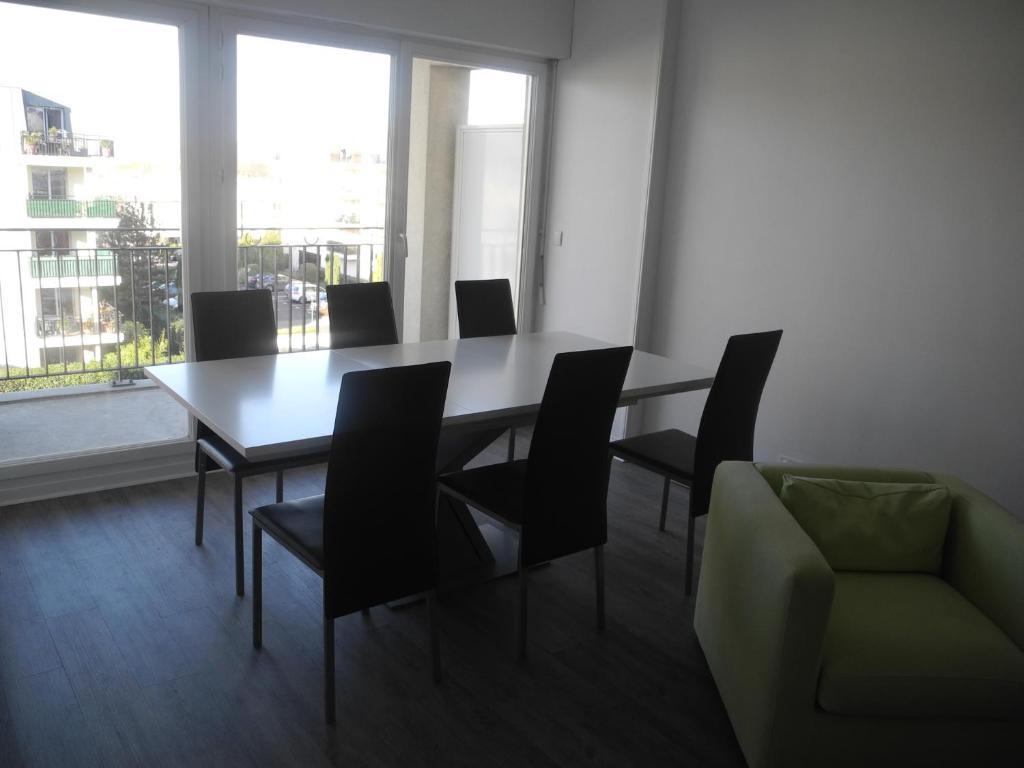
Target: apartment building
<point x="56" y="287"/>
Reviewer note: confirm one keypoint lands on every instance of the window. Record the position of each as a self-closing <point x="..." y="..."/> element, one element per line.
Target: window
<point x="50" y="241"/>
<point x="50" y="183"/>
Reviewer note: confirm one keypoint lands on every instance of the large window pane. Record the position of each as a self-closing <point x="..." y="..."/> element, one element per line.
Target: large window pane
<point x="312" y="176"/>
<point x="90" y="230"/>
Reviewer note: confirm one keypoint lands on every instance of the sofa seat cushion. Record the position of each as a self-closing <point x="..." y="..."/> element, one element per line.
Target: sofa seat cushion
<point x="909" y="645"/>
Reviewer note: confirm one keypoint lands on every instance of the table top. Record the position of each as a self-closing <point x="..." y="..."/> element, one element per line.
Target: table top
<point x="281" y="405"/>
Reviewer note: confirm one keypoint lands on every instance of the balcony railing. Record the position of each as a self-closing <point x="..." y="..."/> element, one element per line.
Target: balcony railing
<point x="69" y="208"/>
<point x="298" y="276"/>
<point x="94" y="263"/>
<point x="90" y="315"/>
<point x="65" y="143"/>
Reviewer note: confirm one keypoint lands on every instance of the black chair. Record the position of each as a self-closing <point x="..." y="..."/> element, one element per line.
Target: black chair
<point x="361" y="315"/>
<point x="229" y="324"/>
<point x="726" y="431"/>
<point x="485" y="309"/>
<point x="371" y="536"/>
<point x="557" y="497"/>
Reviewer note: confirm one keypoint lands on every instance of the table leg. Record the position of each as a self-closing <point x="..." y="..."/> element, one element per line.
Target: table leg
<point x="470" y="549"/>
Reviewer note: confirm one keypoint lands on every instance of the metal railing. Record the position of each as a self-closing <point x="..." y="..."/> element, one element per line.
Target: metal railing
<point x="90" y="315"/>
<point x="65" y="143"/>
<point x="50" y="264"/>
<point x="68" y="207"/>
<point x="298" y="276"/>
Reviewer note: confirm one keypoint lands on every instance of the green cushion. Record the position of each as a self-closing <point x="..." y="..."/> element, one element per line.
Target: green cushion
<point x="862" y="526"/>
<point x="909" y="645"/>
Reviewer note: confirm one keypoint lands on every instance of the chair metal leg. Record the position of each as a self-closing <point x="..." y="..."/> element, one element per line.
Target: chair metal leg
<point x="257" y="585"/>
<point x="689" y="553"/>
<point x="200" y="499"/>
<point x="599" y="573"/>
<point x="280" y="486"/>
<point x="435" y="642"/>
<point x="521" y="633"/>
<point x="329" y="670"/>
<point x="239" y="545"/>
<point x="664" y="505"/>
<point x="512" y="444"/>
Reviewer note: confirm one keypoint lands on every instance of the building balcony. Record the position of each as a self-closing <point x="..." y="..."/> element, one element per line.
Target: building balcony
<point x="65" y="144"/>
<point x="71" y="331"/>
<point x="91" y="263"/>
<point x="69" y="208"/>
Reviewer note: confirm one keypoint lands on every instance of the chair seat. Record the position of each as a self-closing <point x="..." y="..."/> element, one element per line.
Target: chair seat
<point x="229" y="459"/>
<point x="910" y="645"/>
<point x="669" y="452"/>
<point x="223" y="454"/>
<point x="298" y="525"/>
<point x="497" y="489"/>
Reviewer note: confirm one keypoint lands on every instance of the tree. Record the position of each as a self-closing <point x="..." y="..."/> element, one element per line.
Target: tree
<point x="149" y="292"/>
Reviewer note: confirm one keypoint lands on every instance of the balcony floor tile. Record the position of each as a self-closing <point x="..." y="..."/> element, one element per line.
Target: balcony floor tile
<point x="66" y="425"/>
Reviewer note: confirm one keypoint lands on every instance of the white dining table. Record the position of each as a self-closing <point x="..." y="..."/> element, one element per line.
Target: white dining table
<point x="278" y="406"/>
<point x="274" y="406"/>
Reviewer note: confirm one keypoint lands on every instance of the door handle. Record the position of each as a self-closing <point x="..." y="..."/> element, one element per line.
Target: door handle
<point x="404" y="244"/>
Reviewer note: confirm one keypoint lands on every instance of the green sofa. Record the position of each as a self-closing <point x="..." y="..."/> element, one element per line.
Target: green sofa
<point x="824" y="668"/>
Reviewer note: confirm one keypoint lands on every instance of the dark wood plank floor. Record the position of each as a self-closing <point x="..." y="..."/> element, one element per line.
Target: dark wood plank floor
<point x="122" y="643"/>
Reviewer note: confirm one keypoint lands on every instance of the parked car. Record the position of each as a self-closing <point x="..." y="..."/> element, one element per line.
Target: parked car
<point x="268" y="281"/>
<point x="306" y="292"/>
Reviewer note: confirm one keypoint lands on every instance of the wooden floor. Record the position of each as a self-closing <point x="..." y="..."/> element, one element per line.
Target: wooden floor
<point x="122" y="643"/>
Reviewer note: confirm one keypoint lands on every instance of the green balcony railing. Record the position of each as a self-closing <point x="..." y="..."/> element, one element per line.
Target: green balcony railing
<point x="101" y="209"/>
<point x="64" y="208"/>
<point x="74" y="266"/>
<point x="49" y="208"/>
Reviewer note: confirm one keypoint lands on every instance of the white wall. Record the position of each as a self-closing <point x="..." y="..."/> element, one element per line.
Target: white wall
<point x="854" y="174"/>
<point x="536" y="27"/>
<point x="605" y="96"/>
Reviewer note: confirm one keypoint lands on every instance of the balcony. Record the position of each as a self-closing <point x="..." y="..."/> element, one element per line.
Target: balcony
<point x="128" y="300"/>
<point x="94" y="263"/>
<point x="123" y="300"/>
<point x="69" y="208"/>
<point x="66" y="144"/>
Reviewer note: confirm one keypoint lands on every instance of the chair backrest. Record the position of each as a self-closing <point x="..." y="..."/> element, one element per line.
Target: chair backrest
<point x="379" y="522"/>
<point x="361" y="315"/>
<point x="485" y="308"/>
<point x="567" y="470"/>
<point x="228" y="324"/>
<point x="726" y="431"/>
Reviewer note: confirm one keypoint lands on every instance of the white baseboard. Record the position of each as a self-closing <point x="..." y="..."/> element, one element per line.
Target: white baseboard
<point x="84" y="474"/>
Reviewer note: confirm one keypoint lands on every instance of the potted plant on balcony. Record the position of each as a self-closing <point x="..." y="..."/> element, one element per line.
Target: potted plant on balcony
<point x="31" y="141"/>
<point x="107" y="147"/>
<point x="108" y="317"/>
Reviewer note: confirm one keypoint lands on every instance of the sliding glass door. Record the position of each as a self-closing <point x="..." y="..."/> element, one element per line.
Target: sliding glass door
<point x="360" y="159"/>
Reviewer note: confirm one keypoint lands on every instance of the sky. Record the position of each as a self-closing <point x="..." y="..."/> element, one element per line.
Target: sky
<point x="119" y="77"/>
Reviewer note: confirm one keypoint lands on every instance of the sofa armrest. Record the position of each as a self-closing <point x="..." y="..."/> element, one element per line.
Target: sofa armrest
<point x="762" y="607"/>
<point x="984" y="557"/>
